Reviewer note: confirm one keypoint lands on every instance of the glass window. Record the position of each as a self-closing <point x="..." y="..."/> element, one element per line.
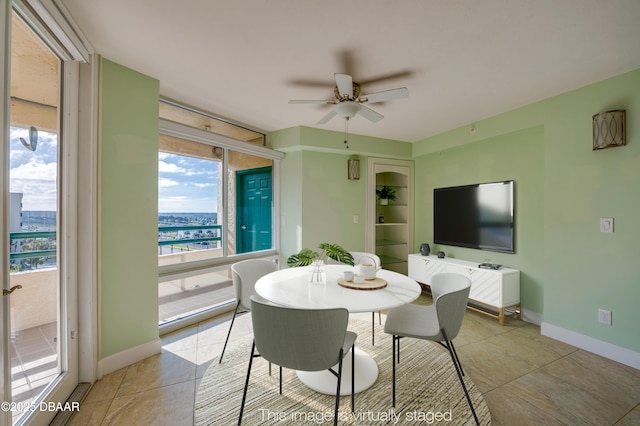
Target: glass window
<point x="215" y="201"/>
<point x="190" y="200"/>
<point x="34" y="231"/>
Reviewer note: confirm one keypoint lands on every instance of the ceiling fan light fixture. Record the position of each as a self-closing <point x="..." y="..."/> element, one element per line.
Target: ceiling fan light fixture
<point x="348" y="103"/>
<point x="348" y="109"/>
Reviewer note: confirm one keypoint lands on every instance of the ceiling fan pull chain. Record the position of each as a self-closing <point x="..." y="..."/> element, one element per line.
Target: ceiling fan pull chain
<point x="346" y="132"/>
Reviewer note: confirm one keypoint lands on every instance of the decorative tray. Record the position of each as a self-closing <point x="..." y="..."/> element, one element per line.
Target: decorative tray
<point x="374" y="284"/>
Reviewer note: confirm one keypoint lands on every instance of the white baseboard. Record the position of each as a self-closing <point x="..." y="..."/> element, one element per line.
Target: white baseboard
<point x="127" y="357"/>
<point x="616" y="353"/>
<point x="532" y="317"/>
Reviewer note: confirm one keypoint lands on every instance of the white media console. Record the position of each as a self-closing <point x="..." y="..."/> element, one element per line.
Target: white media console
<point x="493" y="292"/>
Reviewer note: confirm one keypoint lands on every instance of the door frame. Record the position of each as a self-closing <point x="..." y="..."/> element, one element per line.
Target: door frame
<point x="62" y="386"/>
<point x="5" y="53"/>
<point x="240" y="175"/>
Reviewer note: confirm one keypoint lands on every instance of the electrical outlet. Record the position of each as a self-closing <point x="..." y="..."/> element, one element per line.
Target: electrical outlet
<point x="604" y="316"/>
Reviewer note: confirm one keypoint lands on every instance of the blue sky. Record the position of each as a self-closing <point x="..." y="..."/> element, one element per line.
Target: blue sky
<point x="185" y="184"/>
<point x="33" y="173"/>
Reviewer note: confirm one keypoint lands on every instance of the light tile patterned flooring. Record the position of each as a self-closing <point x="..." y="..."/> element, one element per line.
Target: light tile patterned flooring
<point x="34" y="362"/>
<point x="34" y="356"/>
<point x="526" y="379"/>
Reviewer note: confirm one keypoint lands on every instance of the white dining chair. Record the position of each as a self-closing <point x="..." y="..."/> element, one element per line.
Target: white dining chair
<point x="439" y="322"/>
<point x="244" y="275"/>
<point x="303" y="340"/>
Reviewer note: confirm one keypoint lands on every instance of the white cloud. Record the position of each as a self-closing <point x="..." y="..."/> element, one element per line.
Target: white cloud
<point x="164" y="167"/>
<point x="37" y="181"/>
<point x="34" y="173"/>
<point x="165" y="183"/>
<point x="203" y="185"/>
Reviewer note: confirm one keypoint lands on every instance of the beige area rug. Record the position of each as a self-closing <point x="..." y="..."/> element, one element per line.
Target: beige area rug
<point x="427" y="390"/>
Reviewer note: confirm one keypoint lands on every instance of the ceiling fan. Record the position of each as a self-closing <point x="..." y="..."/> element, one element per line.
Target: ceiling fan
<point x="348" y="100"/>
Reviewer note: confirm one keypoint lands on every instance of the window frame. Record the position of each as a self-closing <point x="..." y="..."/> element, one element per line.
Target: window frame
<point x="178" y="130"/>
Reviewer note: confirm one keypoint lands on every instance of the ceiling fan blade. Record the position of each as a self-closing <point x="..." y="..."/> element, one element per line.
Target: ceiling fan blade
<point x="310" y="101"/>
<point x="327" y="117"/>
<point x="345" y="85"/>
<point x="386" y="95"/>
<point x="370" y="114"/>
<point x="311" y="83"/>
<point x="386" y="77"/>
<point x="346" y="62"/>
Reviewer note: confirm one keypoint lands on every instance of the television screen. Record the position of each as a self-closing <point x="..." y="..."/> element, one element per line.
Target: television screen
<point x="479" y="216"/>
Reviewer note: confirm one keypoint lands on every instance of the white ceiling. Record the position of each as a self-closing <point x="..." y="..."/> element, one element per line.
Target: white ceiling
<point x="462" y="60"/>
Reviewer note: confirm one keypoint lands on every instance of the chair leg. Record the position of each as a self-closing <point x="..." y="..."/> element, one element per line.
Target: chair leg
<point x="353" y="378"/>
<point x="246" y="382"/>
<point x="459" y="372"/>
<point x="373" y="328"/>
<point x="235" y="312"/>
<point x="393" y="371"/>
<point x="394" y="358"/>
<point x="453" y="348"/>
<point x="335" y="415"/>
<point x="280" y="380"/>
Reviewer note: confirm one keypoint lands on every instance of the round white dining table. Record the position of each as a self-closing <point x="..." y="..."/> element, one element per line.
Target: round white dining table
<point x="291" y="287"/>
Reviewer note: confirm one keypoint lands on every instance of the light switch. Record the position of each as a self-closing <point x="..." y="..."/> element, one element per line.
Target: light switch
<point x="606" y="224"/>
<point x="356" y="218"/>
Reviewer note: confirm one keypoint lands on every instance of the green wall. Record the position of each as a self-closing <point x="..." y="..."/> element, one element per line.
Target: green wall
<point x="128" y="205"/>
<point x="330" y="201"/>
<point x="290" y="205"/>
<point x="515" y="156"/>
<point x="572" y="268"/>
<point x="314" y="171"/>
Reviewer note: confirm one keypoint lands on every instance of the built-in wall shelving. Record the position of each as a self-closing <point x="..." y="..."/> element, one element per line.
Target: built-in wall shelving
<point x="390" y="226"/>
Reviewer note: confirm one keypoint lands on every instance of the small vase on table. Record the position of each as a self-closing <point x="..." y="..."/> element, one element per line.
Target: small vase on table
<point x="317" y="273"/>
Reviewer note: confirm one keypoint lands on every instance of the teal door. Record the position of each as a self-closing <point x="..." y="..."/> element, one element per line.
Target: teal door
<point x="254" y="210"/>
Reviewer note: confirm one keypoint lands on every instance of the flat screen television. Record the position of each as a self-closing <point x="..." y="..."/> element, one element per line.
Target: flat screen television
<point x="479" y="216"/>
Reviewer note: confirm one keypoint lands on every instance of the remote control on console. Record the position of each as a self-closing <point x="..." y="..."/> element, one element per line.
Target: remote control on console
<point x="493" y="266"/>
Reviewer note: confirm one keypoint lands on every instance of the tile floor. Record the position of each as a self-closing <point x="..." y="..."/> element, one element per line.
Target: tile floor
<point x="34" y="356"/>
<point x="526" y="379"/>
<point x="34" y="362"/>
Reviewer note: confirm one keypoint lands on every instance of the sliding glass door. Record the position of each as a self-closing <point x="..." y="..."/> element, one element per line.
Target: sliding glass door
<point x="39" y="355"/>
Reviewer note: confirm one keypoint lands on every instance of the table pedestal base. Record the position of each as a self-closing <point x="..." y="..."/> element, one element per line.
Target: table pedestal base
<point x="325" y="382"/>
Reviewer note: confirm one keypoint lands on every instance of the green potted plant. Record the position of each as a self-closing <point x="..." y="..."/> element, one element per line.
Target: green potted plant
<point x="307" y="257"/>
<point x="386" y="193"/>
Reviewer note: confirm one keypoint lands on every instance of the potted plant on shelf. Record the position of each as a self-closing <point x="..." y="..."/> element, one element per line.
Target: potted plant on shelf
<point x="386" y="193"/>
<point x="307" y="257"/>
